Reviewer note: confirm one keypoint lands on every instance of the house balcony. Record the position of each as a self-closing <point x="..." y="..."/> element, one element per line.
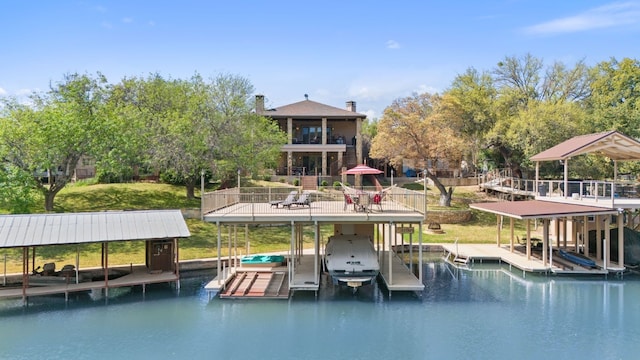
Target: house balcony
<point x="314" y="148"/>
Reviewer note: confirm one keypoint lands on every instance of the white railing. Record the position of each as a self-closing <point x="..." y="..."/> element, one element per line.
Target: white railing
<point x="265" y="201"/>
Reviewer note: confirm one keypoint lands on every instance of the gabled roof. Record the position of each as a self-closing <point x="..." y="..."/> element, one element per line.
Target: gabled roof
<point x="611" y="144"/>
<point x="535" y="209"/>
<point x="310" y="109"/>
<point x="78" y="228"/>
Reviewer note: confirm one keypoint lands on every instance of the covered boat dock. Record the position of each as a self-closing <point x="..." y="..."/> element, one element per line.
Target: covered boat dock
<point x="161" y="230"/>
<point x="400" y="209"/>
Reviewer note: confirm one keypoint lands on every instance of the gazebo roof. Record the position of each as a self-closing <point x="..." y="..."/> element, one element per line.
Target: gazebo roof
<point x="535" y="209"/>
<point x="611" y="144"/>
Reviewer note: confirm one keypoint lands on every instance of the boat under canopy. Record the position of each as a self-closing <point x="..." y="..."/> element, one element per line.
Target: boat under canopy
<point x="351" y="260"/>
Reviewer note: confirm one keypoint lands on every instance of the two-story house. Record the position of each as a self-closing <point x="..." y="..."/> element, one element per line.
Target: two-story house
<point x="322" y="139"/>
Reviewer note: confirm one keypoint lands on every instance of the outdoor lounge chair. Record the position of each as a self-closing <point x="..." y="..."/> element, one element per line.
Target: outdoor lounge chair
<point x="290" y="199"/>
<point x="303" y="200"/>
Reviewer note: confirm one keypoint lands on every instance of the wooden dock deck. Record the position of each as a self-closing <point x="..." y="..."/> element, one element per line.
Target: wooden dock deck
<point x="490" y="252"/>
<point x="137" y="277"/>
<point x="240" y="282"/>
<point x="399" y="277"/>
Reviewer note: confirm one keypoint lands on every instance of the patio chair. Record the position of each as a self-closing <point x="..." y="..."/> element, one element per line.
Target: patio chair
<point x="303" y="200"/>
<point x="348" y="200"/>
<point x="290" y="198"/>
<point x="377" y="199"/>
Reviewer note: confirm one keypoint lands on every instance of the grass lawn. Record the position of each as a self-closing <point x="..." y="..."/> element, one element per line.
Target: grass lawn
<point x="85" y="197"/>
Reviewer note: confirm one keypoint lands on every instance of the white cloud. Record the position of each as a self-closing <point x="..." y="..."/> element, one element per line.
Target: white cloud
<point x="3" y="92"/>
<point x="151" y="23"/>
<point x="127" y="20"/>
<point x="611" y="15"/>
<point x="106" y="25"/>
<point x="392" y="44"/>
<point x="101" y="9"/>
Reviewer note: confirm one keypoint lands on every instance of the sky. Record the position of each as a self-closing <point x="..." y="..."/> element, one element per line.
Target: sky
<point x="371" y="52"/>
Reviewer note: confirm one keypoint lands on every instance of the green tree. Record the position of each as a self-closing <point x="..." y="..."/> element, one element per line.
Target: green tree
<point x="417" y="128"/>
<point x="49" y="137"/>
<point x="615" y="96"/>
<point x="526" y="90"/>
<point x="16" y="190"/>
<point x="190" y="126"/>
<point x="473" y="94"/>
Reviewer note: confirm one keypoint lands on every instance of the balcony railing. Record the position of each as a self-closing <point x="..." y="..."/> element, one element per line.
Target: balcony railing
<point x="328" y="201"/>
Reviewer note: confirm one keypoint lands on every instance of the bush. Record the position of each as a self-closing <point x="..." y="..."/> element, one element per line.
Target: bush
<point x="296" y="182"/>
<point x="337" y="185"/>
<point x="282" y="180"/>
<point x="324" y="183"/>
<point x="266" y="177"/>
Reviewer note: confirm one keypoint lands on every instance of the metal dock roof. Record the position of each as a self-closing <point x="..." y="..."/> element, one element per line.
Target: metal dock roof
<point x="78" y="228"/>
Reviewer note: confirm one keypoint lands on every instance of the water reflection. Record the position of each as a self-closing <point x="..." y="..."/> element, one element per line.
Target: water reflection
<point x="483" y="313"/>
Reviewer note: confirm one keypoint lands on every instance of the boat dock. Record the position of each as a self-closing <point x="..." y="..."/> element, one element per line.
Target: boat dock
<point x="137" y="277"/>
<point x="272" y="283"/>
<point x="466" y="254"/>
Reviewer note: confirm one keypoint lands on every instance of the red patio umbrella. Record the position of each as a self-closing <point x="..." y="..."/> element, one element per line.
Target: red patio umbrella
<point x="362" y="169"/>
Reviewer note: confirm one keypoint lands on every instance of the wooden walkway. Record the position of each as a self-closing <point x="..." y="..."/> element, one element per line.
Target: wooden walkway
<point x="137" y="277"/>
<point x="470" y="253"/>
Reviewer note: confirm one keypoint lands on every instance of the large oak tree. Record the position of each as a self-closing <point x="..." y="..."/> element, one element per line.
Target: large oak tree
<point x="418" y="128"/>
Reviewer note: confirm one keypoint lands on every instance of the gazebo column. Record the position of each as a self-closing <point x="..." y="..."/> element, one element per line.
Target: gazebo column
<point x="535" y="183"/>
<point x="557" y="231"/>
<point x="621" y="239"/>
<point x="498" y="232"/>
<point x="545" y="241"/>
<point x="607" y="241"/>
<point x="528" y="239"/>
<point x="585" y="235"/>
<point x="565" y="222"/>
<point x="511" y="226"/>
<point x="219" y="263"/>
<point x="598" y="238"/>
<point x="566" y="179"/>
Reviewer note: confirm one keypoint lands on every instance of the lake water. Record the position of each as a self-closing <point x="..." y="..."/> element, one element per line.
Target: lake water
<point x="488" y="314"/>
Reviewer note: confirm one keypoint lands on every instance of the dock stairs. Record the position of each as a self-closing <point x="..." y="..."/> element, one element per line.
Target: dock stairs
<point x="258" y="284"/>
<point x="458" y="259"/>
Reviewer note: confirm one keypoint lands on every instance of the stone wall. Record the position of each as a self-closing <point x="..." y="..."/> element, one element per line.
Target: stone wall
<point x="449" y="216"/>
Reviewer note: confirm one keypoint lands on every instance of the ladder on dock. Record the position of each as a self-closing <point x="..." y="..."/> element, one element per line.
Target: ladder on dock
<point x="258" y="284"/>
<point x="457" y="258"/>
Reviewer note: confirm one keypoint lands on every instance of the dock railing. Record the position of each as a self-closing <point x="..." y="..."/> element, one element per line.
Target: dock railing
<point x="264" y="200"/>
<point x="589" y="190"/>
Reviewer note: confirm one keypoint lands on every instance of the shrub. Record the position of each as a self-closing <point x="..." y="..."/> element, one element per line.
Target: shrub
<point x="296" y="182"/>
<point x="282" y="180"/>
<point x="324" y="183"/>
<point x="336" y="185"/>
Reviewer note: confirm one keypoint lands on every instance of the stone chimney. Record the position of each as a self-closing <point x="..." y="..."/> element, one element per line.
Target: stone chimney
<point x="351" y="106"/>
<point x="259" y="104"/>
